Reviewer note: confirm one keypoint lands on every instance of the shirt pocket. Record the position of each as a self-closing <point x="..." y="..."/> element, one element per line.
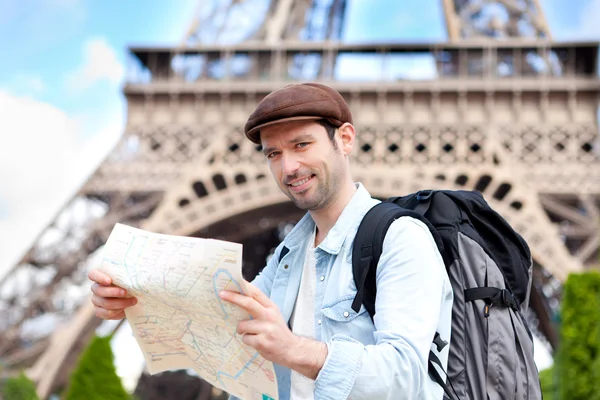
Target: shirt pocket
<point x="340" y="319"/>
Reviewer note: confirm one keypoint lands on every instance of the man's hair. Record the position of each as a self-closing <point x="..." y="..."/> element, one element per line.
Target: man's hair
<point x="330" y="128"/>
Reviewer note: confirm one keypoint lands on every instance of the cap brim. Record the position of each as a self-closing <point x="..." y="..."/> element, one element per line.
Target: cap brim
<point x="252" y="134"/>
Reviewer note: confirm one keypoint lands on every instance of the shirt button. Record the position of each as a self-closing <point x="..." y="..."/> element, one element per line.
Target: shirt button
<point x="285" y="266"/>
<point x="322" y="278"/>
<point x="319" y="321"/>
<point x="346" y="314"/>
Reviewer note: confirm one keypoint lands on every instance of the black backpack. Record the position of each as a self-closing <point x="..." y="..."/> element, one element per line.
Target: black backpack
<point x="491" y="346"/>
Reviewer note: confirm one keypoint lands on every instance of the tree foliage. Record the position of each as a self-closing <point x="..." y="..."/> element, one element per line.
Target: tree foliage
<point x="548" y="383"/>
<point x="95" y="377"/>
<point x="578" y="358"/>
<point x="19" y="388"/>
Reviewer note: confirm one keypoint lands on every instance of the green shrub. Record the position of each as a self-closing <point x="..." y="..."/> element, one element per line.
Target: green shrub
<point x="95" y="377"/>
<point x="548" y="382"/>
<point x="578" y="357"/>
<point x="19" y="388"/>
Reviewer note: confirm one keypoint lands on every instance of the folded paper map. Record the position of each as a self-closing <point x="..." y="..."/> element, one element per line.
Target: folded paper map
<point x="180" y="322"/>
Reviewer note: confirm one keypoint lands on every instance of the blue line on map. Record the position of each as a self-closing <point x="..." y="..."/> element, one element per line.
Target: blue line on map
<point x="239" y="372"/>
<point x="214" y="279"/>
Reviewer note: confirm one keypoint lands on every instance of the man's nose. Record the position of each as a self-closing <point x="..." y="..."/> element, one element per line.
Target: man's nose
<point x="289" y="163"/>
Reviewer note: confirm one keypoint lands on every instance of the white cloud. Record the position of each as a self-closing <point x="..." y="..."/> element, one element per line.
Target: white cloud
<point x="43" y="161"/>
<point x="100" y="64"/>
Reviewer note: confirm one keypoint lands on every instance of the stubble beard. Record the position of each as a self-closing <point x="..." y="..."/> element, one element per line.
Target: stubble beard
<point x="324" y="192"/>
<point x="316" y="202"/>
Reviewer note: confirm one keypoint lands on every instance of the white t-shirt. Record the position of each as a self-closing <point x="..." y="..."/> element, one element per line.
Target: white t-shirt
<point x="303" y="320"/>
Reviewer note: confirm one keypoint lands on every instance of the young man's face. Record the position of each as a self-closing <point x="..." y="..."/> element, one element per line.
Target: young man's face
<point x="304" y="162"/>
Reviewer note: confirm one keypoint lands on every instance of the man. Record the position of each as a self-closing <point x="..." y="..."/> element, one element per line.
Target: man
<point x="301" y="306"/>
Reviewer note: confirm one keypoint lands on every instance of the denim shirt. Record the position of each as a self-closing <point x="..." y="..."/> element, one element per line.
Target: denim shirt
<point x="381" y="359"/>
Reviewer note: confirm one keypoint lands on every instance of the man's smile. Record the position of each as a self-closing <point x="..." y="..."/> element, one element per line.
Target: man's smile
<point x="300" y="185"/>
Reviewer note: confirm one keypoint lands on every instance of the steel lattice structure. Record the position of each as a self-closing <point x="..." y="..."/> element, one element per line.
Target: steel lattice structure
<point x="506" y="111"/>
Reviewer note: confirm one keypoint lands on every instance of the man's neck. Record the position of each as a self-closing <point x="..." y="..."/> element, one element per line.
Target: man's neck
<point x="326" y="218"/>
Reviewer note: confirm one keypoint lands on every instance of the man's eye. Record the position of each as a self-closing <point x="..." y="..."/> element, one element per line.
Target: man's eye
<point x="303" y="144"/>
<point x="271" y="155"/>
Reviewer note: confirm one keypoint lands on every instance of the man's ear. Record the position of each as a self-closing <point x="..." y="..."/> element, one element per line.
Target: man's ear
<point x="347" y="135"/>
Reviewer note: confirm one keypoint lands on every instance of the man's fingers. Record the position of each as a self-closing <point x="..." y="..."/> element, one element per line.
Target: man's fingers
<point x="108" y="291"/>
<point x="119" y="315"/>
<point x="258" y="295"/>
<point x="251" y="327"/>
<point x="113" y="303"/>
<point x="108" y="314"/>
<point x="250" y="340"/>
<point x="99" y="277"/>
<point x="248" y="303"/>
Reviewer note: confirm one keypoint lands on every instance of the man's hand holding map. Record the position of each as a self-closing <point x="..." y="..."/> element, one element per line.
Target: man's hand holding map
<point x="180" y="321"/>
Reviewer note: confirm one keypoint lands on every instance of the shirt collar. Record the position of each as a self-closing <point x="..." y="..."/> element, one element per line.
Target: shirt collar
<point x="349" y="219"/>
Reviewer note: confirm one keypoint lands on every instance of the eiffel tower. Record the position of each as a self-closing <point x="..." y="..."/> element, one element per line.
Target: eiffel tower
<point x="506" y="111"/>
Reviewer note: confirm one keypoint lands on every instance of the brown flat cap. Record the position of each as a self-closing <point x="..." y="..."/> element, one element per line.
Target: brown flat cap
<point x="297" y="102"/>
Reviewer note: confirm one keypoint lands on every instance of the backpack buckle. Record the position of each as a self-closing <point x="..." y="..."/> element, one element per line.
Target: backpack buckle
<point x="439" y="342"/>
<point x="424" y="194"/>
<point x="508" y="299"/>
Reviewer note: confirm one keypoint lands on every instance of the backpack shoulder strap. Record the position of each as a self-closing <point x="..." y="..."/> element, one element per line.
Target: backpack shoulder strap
<point x="367" y="248"/>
